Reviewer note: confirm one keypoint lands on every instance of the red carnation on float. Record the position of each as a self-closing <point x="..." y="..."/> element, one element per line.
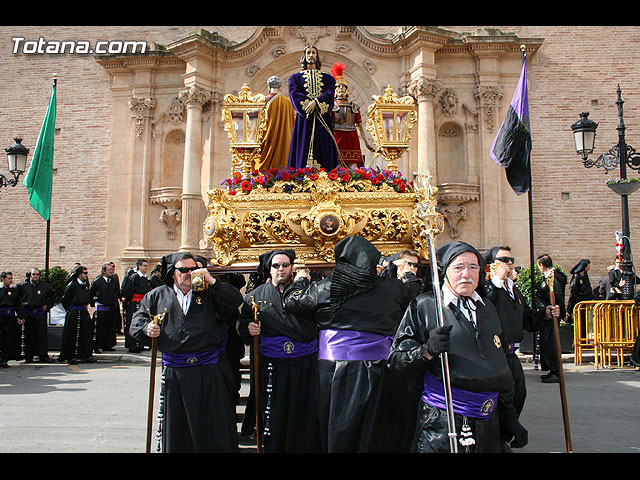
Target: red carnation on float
<point x="332" y="176"/>
<point x="246" y="186"/>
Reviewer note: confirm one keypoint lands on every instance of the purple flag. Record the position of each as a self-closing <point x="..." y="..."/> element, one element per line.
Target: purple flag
<point x="511" y="148"/>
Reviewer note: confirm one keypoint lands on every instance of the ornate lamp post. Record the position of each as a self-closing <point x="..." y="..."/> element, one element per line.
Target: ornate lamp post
<point x="622" y="155"/>
<point x="17" y="162"/>
<point x="245" y="122"/>
<point x="390" y="122"/>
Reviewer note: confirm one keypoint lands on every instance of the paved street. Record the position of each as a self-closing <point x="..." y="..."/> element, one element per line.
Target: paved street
<point x="102" y="408"/>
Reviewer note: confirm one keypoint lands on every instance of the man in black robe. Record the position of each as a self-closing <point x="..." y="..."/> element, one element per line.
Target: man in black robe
<point x="197" y="411"/>
<point x="36" y="299"/>
<point x="105" y="294"/>
<point x="9" y="321"/>
<point x="548" y="353"/>
<point x="515" y="317"/>
<point x="77" y="336"/>
<point x="480" y="377"/>
<point x="357" y="313"/>
<point x="288" y="346"/>
<point x="134" y="287"/>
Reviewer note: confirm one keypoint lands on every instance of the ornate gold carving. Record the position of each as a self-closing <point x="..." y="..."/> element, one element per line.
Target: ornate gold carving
<point x="386" y="224"/>
<point x="390" y="123"/>
<point x="426" y="220"/>
<point x="221" y="227"/>
<point x="267" y="227"/>
<point x="327" y="222"/>
<point x="311" y="219"/>
<point x="245" y="122"/>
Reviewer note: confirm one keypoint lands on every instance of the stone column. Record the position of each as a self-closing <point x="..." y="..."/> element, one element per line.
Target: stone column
<point x="424" y="90"/>
<point x="194" y="97"/>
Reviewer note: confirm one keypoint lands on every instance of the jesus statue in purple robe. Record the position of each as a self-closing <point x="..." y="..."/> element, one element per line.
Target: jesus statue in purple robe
<point x="311" y="92"/>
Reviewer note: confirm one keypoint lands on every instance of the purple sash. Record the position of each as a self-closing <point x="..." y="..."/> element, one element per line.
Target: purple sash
<point x="103" y="308"/>
<point x="469" y="404"/>
<point x="284" y="347"/>
<point x="9" y="311"/>
<point x="353" y="345"/>
<point x="77" y="307"/>
<point x="177" y="359"/>
<point x="30" y="311"/>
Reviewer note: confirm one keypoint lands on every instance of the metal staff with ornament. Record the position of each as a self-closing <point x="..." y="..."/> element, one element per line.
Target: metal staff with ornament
<point x="255" y="377"/>
<point x="434" y="222"/>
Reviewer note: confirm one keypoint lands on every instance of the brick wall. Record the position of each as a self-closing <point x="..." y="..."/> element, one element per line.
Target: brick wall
<point x="576" y="69"/>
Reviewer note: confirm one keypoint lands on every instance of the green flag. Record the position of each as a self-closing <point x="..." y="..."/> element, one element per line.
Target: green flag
<point x="39" y="178"/>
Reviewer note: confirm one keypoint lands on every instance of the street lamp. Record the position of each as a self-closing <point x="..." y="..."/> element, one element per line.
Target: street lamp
<point x="17" y="162"/>
<point x="622" y="155"/>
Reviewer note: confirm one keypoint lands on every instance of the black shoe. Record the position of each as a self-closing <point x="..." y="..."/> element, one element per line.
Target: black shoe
<point x="134" y="350"/>
<point x="5" y="365"/>
<point x="551" y="378"/>
<point x="109" y="349"/>
<point x="73" y="361"/>
<point x="97" y="350"/>
<point x="28" y="360"/>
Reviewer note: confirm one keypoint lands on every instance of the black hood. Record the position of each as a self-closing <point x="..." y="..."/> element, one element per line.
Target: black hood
<point x="263" y="270"/>
<point x="580" y="266"/>
<point x="490" y="255"/>
<point x="76" y="273"/>
<point x="357" y="252"/>
<point x="449" y="251"/>
<point x="168" y="265"/>
<point x="355" y="271"/>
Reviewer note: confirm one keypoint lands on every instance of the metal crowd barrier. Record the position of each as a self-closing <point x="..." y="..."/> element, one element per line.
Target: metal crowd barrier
<point x="605" y="327"/>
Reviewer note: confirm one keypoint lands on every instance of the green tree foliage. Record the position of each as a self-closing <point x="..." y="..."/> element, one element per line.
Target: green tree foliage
<point x="58" y="280"/>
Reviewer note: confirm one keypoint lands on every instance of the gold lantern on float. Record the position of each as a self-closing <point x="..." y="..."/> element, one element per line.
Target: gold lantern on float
<point x="245" y="122"/>
<point x="390" y="122"/>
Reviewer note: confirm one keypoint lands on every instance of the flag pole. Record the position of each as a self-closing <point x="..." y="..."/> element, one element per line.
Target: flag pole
<point x="532" y="260"/>
<point x="48" y="236"/>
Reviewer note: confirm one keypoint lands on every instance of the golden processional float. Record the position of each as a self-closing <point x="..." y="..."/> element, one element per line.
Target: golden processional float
<point x="310" y="210"/>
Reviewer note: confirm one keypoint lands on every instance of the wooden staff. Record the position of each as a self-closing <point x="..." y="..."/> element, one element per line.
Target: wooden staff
<point x="157" y="320"/>
<point x="255" y="371"/>
<point x="563" y="393"/>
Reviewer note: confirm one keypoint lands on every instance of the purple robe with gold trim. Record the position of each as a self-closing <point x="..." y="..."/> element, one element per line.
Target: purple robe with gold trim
<point x="316" y="130"/>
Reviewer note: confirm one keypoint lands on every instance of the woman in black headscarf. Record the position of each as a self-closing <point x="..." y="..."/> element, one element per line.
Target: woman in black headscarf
<point x="357" y="313"/>
<point x="580" y="287"/>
